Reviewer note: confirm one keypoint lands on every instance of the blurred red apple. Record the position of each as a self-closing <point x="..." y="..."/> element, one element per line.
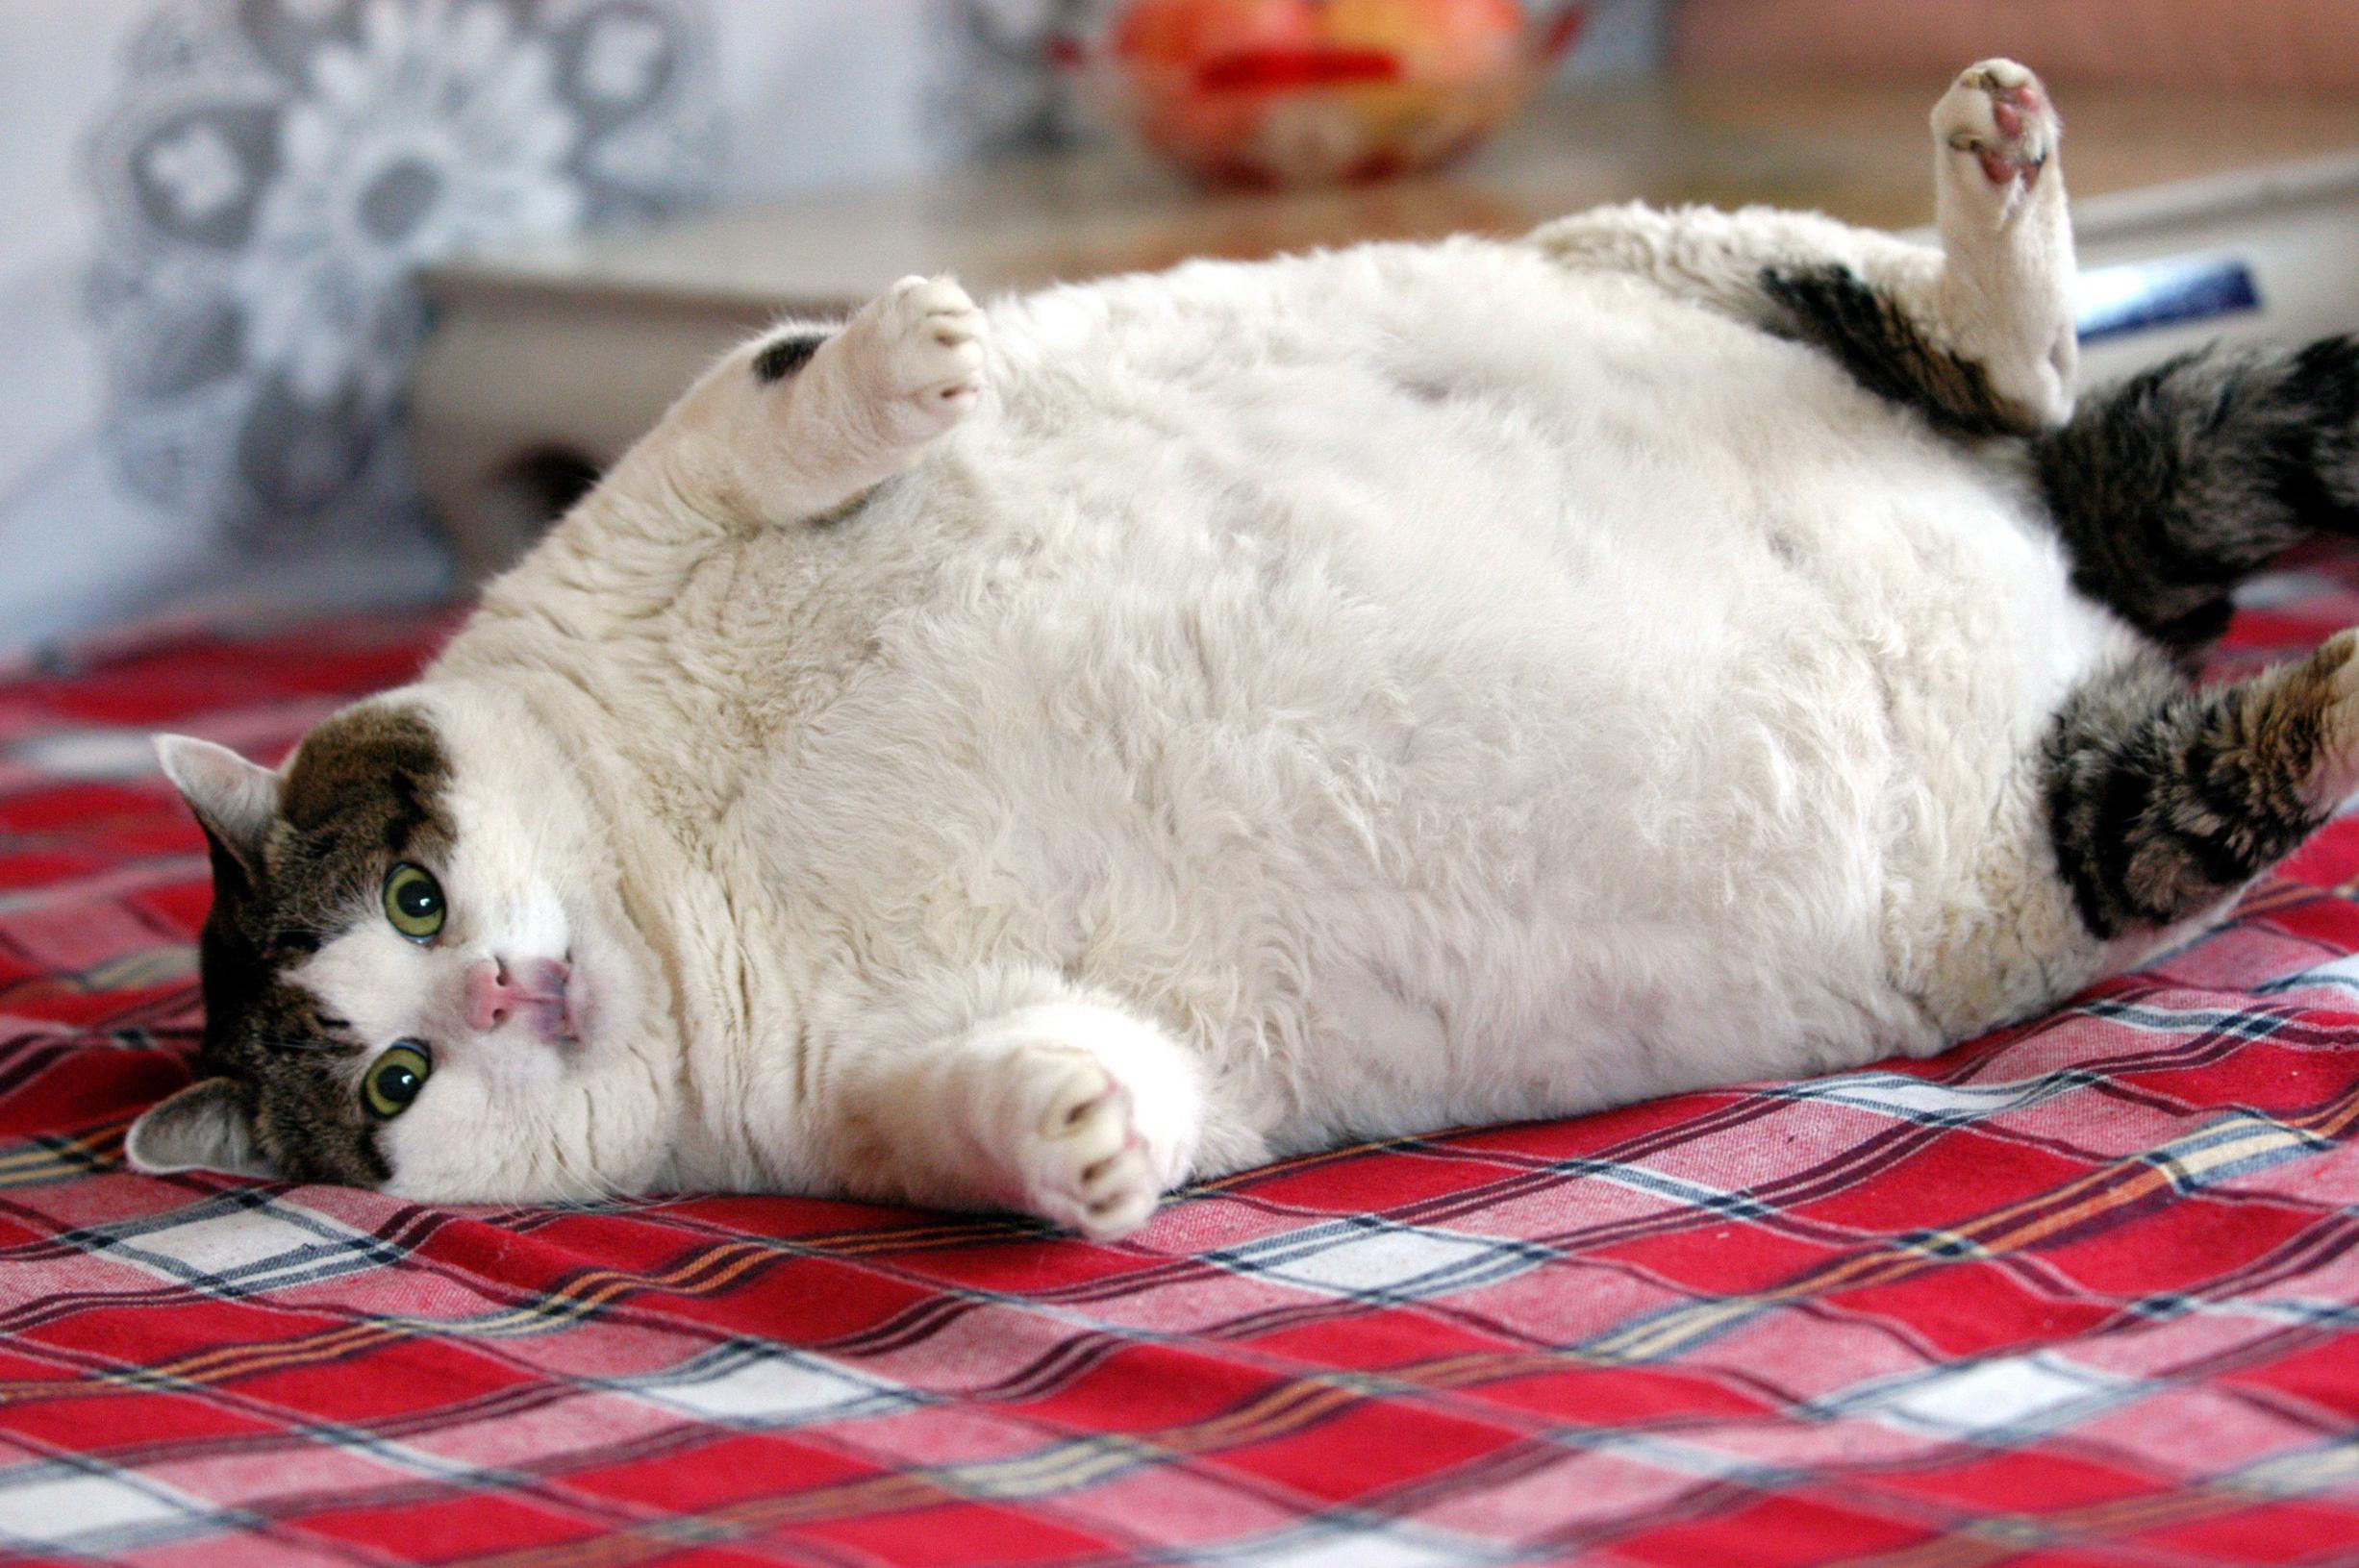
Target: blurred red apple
<point x="1188" y="33"/>
<point x="1290" y="91"/>
<point x="1443" y="39"/>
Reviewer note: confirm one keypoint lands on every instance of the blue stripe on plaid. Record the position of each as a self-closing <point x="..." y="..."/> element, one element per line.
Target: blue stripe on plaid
<point x="1365" y="1542"/>
<point x="241" y="1242"/>
<point x="746" y="1382"/>
<point x="2008" y="1399"/>
<point x="1931" y="1102"/>
<point x="2204" y="1022"/>
<point x="2231" y="1146"/>
<point x="97" y="1511"/>
<point x="1376" y="1260"/>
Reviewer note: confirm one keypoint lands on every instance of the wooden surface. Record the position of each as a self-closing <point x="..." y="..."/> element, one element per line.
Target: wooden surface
<point x="1859" y="151"/>
<point x="554" y="358"/>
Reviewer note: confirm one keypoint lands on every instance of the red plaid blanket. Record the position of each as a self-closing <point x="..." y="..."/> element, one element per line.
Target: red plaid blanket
<point x="2082" y="1293"/>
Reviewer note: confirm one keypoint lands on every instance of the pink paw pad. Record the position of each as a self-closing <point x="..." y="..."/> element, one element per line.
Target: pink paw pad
<point x="1998" y="113"/>
<point x="2012" y="110"/>
<point x="2020" y="152"/>
<point x="2001" y="168"/>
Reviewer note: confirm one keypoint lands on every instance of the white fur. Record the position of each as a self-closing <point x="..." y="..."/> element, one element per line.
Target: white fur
<point x="1255" y="707"/>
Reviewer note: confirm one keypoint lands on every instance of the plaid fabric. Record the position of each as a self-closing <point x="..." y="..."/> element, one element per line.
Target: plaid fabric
<point x="2083" y="1293"/>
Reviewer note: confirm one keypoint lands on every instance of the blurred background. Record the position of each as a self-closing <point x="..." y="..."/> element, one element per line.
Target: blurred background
<point x="321" y="303"/>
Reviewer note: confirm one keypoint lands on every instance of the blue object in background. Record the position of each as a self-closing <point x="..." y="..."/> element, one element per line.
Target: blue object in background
<point x="2138" y="297"/>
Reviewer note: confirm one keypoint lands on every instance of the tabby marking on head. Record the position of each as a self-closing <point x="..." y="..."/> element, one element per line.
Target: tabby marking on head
<point x="298" y="859"/>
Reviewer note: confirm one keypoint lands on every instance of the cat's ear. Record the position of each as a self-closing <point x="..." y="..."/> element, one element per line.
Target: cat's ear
<point x="202" y="1128"/>
<point x="234" y="799"/>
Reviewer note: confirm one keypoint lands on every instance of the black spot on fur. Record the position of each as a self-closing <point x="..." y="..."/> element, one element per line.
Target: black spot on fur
<point x="1871" y="336"/>
<point x="1883" y="350"/>
<point x="2162" y="798"/>
<point x="365" y="790"/>
<point x="783" y="357"/>
<point x="2175" y="485"/>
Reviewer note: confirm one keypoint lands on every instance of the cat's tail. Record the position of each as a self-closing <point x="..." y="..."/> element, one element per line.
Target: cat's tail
<point x="2173" y="485"/>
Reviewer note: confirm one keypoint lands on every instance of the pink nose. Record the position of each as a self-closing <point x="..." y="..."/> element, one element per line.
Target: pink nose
<point x="532" y="989"/>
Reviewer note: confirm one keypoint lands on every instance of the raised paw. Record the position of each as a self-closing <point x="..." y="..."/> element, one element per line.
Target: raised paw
<point x="1080" y="1156"/>
<point x="919" y="355"/>
<point x="1999" y="121"/>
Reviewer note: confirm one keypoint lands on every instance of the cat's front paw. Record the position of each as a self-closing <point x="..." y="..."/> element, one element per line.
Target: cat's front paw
<point x="916" y="353"/>
<point x="1081" y="1158"/>
<point x="1999" y="129"/>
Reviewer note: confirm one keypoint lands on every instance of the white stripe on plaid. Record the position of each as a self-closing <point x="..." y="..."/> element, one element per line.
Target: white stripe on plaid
<point x="1381" y="1260"/>
<point x="57" y="1505"/>
<point x="1359" y="1544"/>
<point x="748" y="1383"/>
<point x="1927" y="1101"/>
<point x="243" y="1243"/>
<point x="2009" y="1398"/>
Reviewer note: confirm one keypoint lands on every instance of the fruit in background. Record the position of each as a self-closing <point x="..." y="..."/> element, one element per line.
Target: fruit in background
<point x="1447" y="39"/>
<point x="1187" y="33"/>
<point x="1271" y="93"/>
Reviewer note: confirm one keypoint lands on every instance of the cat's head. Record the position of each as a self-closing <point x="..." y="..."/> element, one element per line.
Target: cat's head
<point x="418" y="970"/>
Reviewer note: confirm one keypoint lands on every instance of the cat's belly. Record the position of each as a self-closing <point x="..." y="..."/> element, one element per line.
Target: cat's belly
<point x="1465" y="693"/>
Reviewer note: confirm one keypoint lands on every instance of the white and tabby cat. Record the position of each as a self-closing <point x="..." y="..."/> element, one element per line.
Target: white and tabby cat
<point x="1030" y="755"/>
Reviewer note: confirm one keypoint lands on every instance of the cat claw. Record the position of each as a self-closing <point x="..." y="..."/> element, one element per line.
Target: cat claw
<point x="1084" y="1164"/>
<point x="1998" y="113"/>
<point x="919" y="355"/>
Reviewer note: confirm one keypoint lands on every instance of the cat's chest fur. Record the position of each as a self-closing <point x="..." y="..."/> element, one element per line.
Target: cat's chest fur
<point x="1432" y="685"/>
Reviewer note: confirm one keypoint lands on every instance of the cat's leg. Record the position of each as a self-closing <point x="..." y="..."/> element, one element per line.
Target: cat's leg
<point x="2179" y="483"/>
<point x="1978" y="335"/>
<point x="804" y="421"/>
<point x="1996" y="327"/>
<point x="1070" y="1110"/>
<point x="2164" y="798"/>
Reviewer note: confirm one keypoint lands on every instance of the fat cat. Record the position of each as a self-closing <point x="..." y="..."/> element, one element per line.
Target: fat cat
<point x="1029" y="756"/>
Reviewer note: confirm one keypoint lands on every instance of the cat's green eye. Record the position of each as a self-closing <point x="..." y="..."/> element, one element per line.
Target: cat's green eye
<point x="394" y="1079"/>
<point x="414" y="901"/>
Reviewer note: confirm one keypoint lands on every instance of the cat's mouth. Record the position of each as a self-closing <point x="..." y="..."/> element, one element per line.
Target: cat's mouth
<point x="562" y="1015"/>
<point x="574" y="1014"/>
<point x="546" y="999"/>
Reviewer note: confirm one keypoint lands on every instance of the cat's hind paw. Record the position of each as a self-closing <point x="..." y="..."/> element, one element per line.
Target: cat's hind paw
<point x="2000" y="130"/>
<point x="2006" y="291"/>
<point x="916" y="351"/>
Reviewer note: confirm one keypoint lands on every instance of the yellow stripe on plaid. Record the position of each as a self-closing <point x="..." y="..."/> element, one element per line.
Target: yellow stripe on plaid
<point x="37" y="1164"/>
